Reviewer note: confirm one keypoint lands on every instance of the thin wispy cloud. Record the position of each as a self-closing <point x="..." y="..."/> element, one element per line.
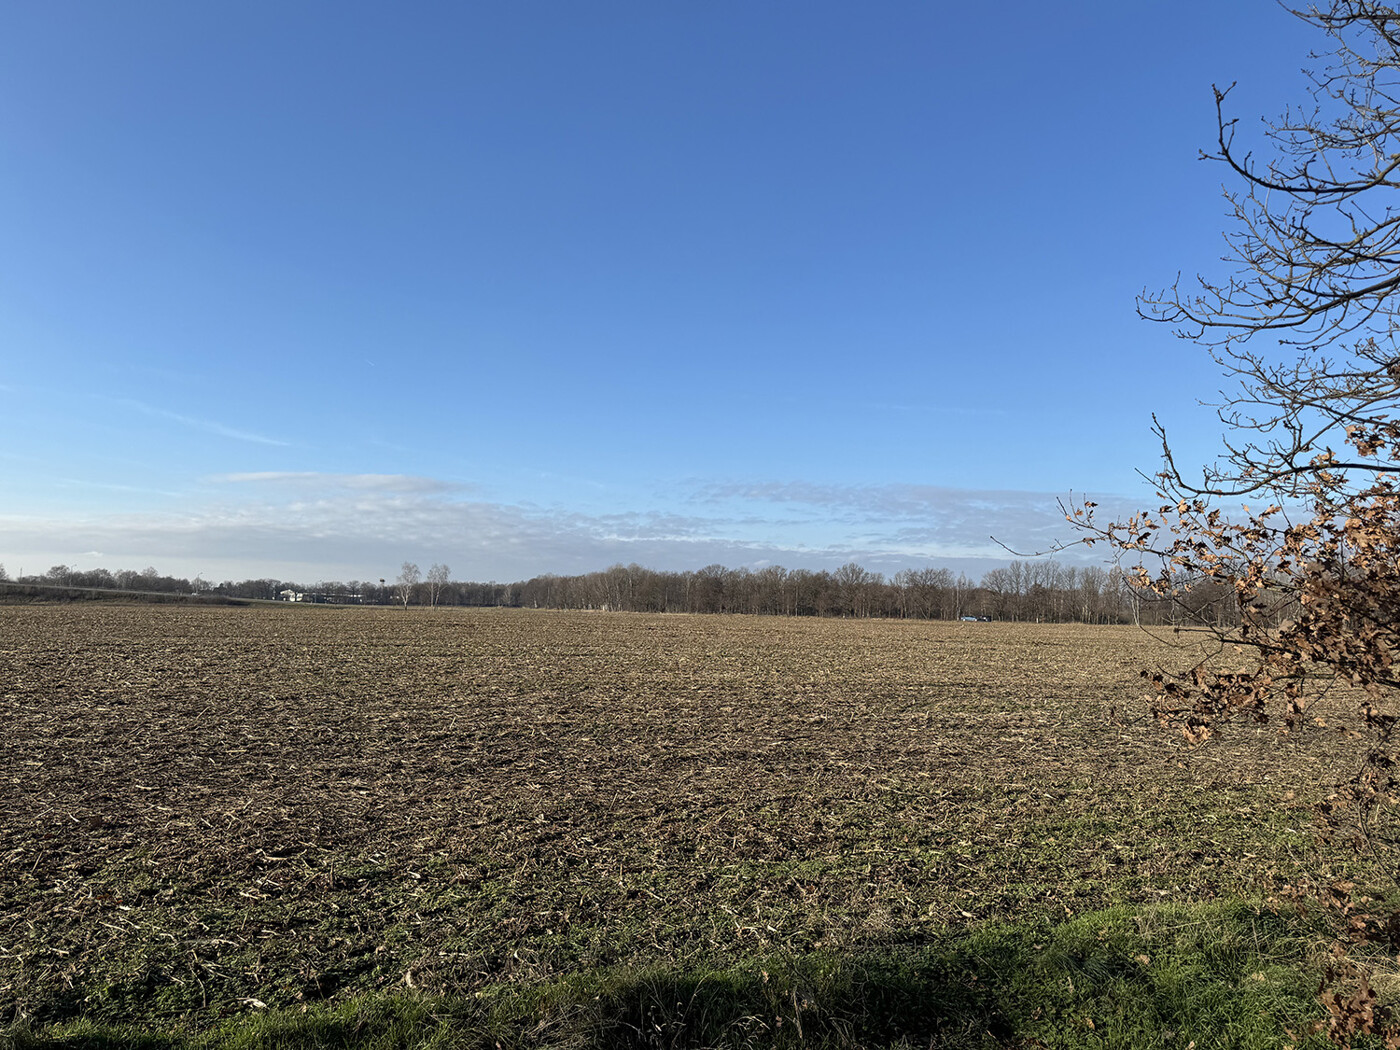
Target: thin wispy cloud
<point x="209" y="426"/>
<point x="308" y="479"/>
<point x="111" y="486"/>
<point x="874" y="501"/>
<point x="926" y="521"/>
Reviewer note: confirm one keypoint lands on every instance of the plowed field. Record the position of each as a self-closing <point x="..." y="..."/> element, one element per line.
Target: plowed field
<point x="205" y="810"/>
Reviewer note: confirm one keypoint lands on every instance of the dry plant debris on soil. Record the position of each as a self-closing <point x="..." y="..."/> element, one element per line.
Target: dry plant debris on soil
<point x="205" y="811"/>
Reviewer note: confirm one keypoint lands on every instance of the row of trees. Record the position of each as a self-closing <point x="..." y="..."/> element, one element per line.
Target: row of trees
<point x="148" y="579"/>
<point x="1045" y="591"/>
<point x="1042" y="591"/>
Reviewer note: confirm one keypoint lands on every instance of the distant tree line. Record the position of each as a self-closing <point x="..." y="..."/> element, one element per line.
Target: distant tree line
<point x="1043" y="591"/>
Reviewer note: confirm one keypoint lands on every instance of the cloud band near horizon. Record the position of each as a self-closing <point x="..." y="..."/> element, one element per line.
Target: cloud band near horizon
<point x="308" y="525"/>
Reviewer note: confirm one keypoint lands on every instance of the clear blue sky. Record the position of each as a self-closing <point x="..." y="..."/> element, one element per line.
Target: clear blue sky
<point x="307" y="290"/>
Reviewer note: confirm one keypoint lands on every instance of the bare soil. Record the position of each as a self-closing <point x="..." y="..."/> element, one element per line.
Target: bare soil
<point x="209" y="810"/>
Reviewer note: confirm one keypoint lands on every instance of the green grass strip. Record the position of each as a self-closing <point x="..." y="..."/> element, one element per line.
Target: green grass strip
<point x="1217" y="975"/>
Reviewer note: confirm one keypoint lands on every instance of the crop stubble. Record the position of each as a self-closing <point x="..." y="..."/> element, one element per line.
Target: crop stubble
<point x="205" y="810"/>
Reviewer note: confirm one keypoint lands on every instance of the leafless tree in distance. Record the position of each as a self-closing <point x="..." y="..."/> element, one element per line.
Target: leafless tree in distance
<point x="438" y="577"/>
<point x="407" y="582"/>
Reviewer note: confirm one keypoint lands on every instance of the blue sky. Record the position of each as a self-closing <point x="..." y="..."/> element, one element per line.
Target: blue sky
<point x="308" y="290"/>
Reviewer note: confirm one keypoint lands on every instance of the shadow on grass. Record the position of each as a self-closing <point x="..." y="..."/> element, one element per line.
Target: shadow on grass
<point x="872" y="1000"/>
<point x="1213" y="975"/>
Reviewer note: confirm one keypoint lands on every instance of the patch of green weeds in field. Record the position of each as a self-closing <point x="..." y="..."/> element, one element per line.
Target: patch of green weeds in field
<point x="1212" y="975"/>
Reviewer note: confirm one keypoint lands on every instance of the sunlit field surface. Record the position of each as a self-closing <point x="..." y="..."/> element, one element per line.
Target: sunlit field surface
<point x="208" y="813"/>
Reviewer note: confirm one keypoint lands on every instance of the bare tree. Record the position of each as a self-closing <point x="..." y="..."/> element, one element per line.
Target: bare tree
<point x="853" y="589"/>
<point x="438" y="577"/>
<point x="930" y="587"/>
<point x="768" y="589"/>
<point x="1315" y="257"/>
<point x="1315" y="253"/>
<point x="961" y="591"/>
<point x="407" y="582"/>
<point x="1000" y="586"/>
